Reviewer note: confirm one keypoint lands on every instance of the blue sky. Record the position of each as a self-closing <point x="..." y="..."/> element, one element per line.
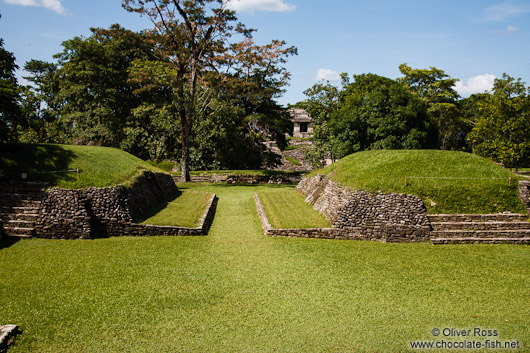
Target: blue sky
<point x="472" y="40"/>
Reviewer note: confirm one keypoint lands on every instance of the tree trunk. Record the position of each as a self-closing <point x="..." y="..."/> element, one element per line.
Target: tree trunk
<point x="185" y="129"/>
<point x="185" y="164"/>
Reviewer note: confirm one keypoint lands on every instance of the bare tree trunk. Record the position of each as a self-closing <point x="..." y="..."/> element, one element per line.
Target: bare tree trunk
<point x="185" y="166"/>
<point x="185" y="129"/>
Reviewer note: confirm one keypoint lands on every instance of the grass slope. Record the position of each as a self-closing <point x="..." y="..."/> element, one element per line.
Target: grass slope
<point x="100" y="166"/>
<point x="184" y="211"/>
<point x="239" y="291"/>
<point x="386" y="170"/>
<point x="287" y="209"/>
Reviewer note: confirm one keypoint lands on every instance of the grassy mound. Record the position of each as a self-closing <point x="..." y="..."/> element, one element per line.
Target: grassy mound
<point x="473" y="184"/>
<point x="99" y="166"/>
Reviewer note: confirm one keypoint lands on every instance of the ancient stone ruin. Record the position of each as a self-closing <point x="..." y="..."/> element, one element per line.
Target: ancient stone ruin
<point x="32" y="210"/>
<point x="393" y="217"/>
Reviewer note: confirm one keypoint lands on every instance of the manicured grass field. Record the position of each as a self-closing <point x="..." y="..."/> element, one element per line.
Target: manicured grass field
<point x="457" y="182"/>
<point x="287" y="209"/>
<point x="236" y="290"/>
<point x="184" y="211"/>
<point x="99" y="166"/>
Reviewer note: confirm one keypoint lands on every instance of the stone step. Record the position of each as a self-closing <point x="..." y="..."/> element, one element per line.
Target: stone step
<point x="19" y="209"/>
<point x="496" y="217"/>
<point x="479" y="225"/>
<point x="15" y="223"/>
<point x="19" y="216"/>
<point x="443" y="241"/>
<point x="18" y="232"/>
<point x="23" y="203"/>
<point x="503" y="233"/>
<point x="22" y="188"/>
<point x="21" y="196"/>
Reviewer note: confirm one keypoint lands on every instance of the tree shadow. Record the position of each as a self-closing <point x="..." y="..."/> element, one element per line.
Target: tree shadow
<point x="159" y="207"/>
<point x="35" y="161"/>
<point x="7" y="242"/>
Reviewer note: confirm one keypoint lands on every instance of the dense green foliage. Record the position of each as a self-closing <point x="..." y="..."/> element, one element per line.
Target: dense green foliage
<point x="10" y="109"/>
<point x="502" y="130"/>
<point x="165" y="93"/>
<point x="473" y="185"/>
<point x="99" y="166"/>
<point x="419" y="110"/>
<point x="236" y="290"/>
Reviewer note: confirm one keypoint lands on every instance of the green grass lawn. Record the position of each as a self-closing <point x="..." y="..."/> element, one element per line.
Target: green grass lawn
<point x="293" y="161"/>
<point x="488" y="190"/>
<point x="236" y="290"/>
<point x="184" y="211"/>
<point x="99" y="166"/>
<point x="287" y="209"/>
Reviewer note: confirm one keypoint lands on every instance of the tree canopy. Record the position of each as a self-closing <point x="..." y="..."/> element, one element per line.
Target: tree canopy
<point x="419" y="110"/>
<point x="502" y="130"/>
<point x="141" y="92"/>
<point x="10" y="109"/>
<point x="194" y="39"/>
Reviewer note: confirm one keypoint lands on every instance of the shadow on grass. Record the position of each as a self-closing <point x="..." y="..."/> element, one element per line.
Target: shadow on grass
<point x="158" y="208"/>
<point x="7" y="242"/>
<point x="36" y="161"/>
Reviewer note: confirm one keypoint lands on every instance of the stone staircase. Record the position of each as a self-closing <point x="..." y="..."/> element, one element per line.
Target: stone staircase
<point x="19" y="207"/>
<point x="505" y="228"/>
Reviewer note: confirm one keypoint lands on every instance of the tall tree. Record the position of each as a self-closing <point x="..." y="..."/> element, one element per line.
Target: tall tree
<point x="10" y="110"/>
<point x="191" y="36"/>
<point x="379" y="113"/>
<point x="502" y="130"/>
<point x="193" y="40"/>
<point x="436" y="88"/>
<point x="94" y="92"/>
<point x="41" y="109"/>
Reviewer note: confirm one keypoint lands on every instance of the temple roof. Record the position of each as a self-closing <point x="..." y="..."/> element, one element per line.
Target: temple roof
<point x="300" y="116"/>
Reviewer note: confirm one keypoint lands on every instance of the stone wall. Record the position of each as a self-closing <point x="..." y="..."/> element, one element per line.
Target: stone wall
<point x="388" y="217"/>
<point x="243" y="179"/>
<point x="64" y="214"/>
<point x="101" y="212"/>
<point x="524" y="194"/>
<point x="108" y="227"/>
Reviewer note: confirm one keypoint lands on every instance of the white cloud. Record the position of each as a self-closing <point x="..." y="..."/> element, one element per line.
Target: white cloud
<point x="260" y="5"/>
<point x="505" y="10"/>
<point x="511" y="29"/>
<point x="476" y="84"/>
<point x="327" y="75"/>
<point x="54" y="5"/>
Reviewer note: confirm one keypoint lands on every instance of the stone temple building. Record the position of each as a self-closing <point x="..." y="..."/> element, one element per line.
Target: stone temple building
<point x="303" y="123"/>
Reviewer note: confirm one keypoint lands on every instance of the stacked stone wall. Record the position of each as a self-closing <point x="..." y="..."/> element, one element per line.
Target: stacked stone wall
<point x="308" y="185"/>
<point x="243" y="179"/>
<point x="524" y="194"/>
<point x="102" y="212"/>
<point x="64" y="214"/>
<point x="359" y="214"/>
